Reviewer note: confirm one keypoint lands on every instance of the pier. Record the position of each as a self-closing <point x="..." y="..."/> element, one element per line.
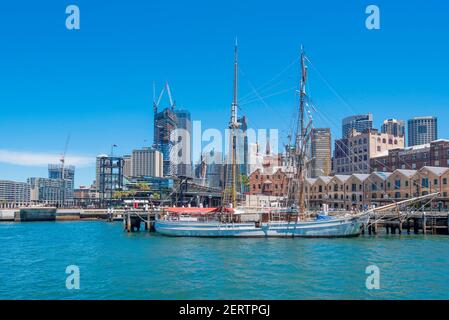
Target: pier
<point x="132" y="220"/>
<point x="432" y="222"/>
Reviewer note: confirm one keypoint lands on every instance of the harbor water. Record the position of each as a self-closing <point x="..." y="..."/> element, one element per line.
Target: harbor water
<point x="114" y="264"/>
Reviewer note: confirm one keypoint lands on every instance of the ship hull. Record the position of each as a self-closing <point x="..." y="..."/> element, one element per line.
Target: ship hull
<point x="337" y="227"/>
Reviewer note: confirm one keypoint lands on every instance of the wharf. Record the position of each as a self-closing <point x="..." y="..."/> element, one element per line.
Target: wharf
<point x="431" y="222"/>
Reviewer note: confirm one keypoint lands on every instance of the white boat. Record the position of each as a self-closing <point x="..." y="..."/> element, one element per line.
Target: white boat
<point x="216" y="222"/>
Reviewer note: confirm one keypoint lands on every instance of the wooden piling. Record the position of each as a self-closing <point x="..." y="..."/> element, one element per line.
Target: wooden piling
<point x="448" y="223"/>
<point x="128" y="221"/>
<point x="424" y="223"/>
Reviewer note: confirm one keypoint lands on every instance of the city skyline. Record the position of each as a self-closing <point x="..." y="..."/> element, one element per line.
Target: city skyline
<point x="115" y="106"/>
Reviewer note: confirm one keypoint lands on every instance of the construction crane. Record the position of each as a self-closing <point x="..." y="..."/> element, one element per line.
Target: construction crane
<point x="62" y="159"/>
<point x="157" y="102"/>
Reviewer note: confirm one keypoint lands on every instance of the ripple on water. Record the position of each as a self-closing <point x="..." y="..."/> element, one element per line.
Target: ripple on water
<point x="118" y="265"/>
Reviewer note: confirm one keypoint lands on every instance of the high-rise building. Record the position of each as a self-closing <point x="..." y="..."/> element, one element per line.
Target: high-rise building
<point x="165" y="122"/>
<point x="14" y="193"/>
<point x="422" y="130"/>
<point x="320" y="152"/>
<point x="184" y="122"/>
<point x="49" y="191"/>
<point x="359" y="123"/>
<point x="127" y="166"/>
<point x="55" y="172"/>
<point x="147" y="162"/>
<point x="394" y="127"/>
<point x="353" y="154"/>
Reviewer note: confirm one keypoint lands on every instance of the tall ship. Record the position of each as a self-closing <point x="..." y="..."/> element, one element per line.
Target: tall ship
<point x="293" y="219"/>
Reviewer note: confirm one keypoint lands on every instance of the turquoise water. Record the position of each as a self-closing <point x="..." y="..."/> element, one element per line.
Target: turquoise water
<point x="117" y="265"/>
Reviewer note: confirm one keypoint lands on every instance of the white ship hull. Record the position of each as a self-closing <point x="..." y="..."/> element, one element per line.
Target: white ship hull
<point x="335" y="227"/>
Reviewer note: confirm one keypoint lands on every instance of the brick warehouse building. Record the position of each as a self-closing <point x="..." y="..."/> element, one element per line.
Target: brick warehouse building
<point x="434" y="154"/>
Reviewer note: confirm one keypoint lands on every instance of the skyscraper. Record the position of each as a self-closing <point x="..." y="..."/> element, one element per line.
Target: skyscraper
<point x="359" y="122"/>
<point x="184" y="122"/>
<point x="422" y="130"/>
<point x="321" y="152"/>
<point x="165" y="122"/>
<point x="394" y="127"/>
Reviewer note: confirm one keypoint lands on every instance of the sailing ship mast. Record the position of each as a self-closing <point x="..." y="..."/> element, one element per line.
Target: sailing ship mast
<point x="301" y="139"/>
<point x="233" y="126"/>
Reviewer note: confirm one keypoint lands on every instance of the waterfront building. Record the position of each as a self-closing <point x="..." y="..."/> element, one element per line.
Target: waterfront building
<point x="49" y="191"/>
<point x="376" y="187"/>
<point x="422" y="130"/>
<point x="109" y="173"/>
<point x="361" y="191"/>
<point x="434" y="154"/>
<point x="147" y="162"/>
<point x="394" y="127"/>
<point x="127" y="166"/>
<point x="360" y="123"/>
<point x="320" y="152"/>
<point x="269" y="182"/>
<point x="86" y="197"/>
<point x="354" y="154"/>
<point x="271" y="178"/>
<point x="67" y="173"/>
<point x="13" y="193"/>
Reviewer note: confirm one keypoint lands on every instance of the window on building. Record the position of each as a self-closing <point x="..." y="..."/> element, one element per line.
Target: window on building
<point x="435" y="182"/>
<point x="444" y="180"/>
<point x="425" y="182"/>
<point x="437" y="163"/>
<point x="397" y="195"/>
<point x="397" y="184"/>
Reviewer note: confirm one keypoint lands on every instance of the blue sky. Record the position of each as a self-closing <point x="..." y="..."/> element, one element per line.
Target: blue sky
<point x="96" y="83"/>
